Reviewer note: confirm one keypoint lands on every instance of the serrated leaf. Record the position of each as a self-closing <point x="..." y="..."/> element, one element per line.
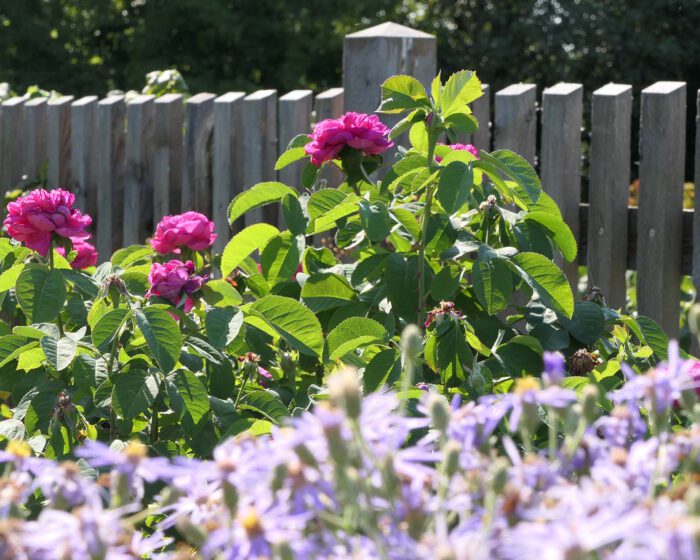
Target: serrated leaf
<point x="289" y="319"/>
<point x="281" y="257"/>
<point x="188" y="397"/>
<point x="219" y="293"/>
<point x="223" y="326"/>
<point x="493" y="284"/>
<point x="106" y="328"/>
<point x="289" y="157"/>
<point x="242" y="244"/>
<point x="293" y="215"/>
<point x="454" y="186"/>
<point x="354" y="333"/>
<point x="326" y="290"/>
<point x="134" y="392"/>
<point x="526" y="187"/>
<point x="256" y="197"/>
<point x="162" y="336"/>
<point x="59" y="352"/>
<point x="266" y="404"/>
<point x="461" y="88"/>
<point x="560" y="232"/>
<point x="375" y="220"/>
<point x="401" y="94"/>
<point x="41" y="293"/>
<point x="545" y="278"/>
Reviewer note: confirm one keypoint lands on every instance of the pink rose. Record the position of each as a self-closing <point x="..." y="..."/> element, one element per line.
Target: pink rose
<point x="365" y="133"/>
<point x="466" y="147"/>
<point x="174" y="281"/>
<point x="86" y="254"/>
<point x="34" y="218"/>
<point x="191" y="229"/>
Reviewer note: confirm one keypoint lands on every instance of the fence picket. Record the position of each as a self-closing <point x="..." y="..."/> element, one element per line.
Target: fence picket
<point x="196" y="178"/>
<point x="58" y="148"/>
<point x="295" y="110"/>
<point x="35" y="124"/>
<point x="167" y="155"/>
<point x="260" y="147"/>
<point x="83" y="154"/>
<point x="227" y="168"/>
<point x="661" y="174"/>
<point x="138" y="186"/>
<point x="608" y="191"/>
<point x="481" y="108"/>
<point x="12" y="150"/>
<point x="560" y="156"/>
<point x="111" y="171"/>
<point x="515" y="121"/>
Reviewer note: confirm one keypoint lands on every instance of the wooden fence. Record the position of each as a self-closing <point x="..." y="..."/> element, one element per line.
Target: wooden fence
<point x="132" y="162"/>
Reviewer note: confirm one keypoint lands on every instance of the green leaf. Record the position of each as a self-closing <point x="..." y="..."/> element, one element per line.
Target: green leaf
<point x="12" y="429"/>
<point x="354" y="333"/>
<point x="134" y="254"/>
<point x="223" y="325"/>
<point x="257" y="196"/>
<point x="107" y="326"/>
<point x="587" y="323"/>
<point x="375" y="220"/>
<point x="40" y="293"/>
<point x="219" y="293"/>
<point x="454" y="186"/>
<point x="408" y="220"/>
<point x="289" y="157"/>
<point x="162" y="336"/>
<point x="560" y="232"/>
<point x="309" y="175"/>
<point x="493" y="284"/>
<point x="418" y="137"/>
<point x="461" y="88"/>
<point x="324" y="201"/>
<point x="293" y="215"/>
<point x="281" y="257"/>
<point x="326" y="290"/>
<point x="401" y="94"/>
<point x="521" y="355"/>
<point x="8" y="279"/>
<point x="383" y="369"/>
<point x="59" y="352"/>
<point x="244" y="243"/>
<point x="545" y="278"/>
<point x="12" y="346"/>
<point x="134" y="392"/>
<point x="655" y="336"/>
<point x="401" y="281"/>
<point x="291" y="320"/>
<point x="516" y="168"/>
<point x="188" y="397"/>
<point x="266" y="404"/>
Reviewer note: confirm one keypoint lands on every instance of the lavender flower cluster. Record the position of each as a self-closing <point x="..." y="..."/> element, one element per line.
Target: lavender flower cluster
<point x="538" y="472"/>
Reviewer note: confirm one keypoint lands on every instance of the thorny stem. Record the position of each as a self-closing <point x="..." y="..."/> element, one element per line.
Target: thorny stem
<point x="430" y="189"/>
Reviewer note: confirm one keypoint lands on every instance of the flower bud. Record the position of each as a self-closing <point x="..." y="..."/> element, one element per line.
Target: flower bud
<point x="344" y="388"/>
<point x="230" y="497"/>
<point x="439" y="412"/>
<point x="411" y="343"/>
<point x="279" y="474"/>
<point x="498" y="475"/>
<point x="305" y="455"/>
<point x="452" y="451"/>
<point x="192" y="533"/>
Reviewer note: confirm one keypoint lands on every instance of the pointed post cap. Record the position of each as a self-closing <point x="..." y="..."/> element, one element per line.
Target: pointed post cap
<point x="390" y="29"/>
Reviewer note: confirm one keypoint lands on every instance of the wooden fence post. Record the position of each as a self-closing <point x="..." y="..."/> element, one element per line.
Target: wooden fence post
<point x="58" y="142"/>
<point x="372" y="55"/>
<point x="11" y="148"/>
<point x="35" y="122"/>
<point x="111" y="170"/>
<point x="515" y="121"/>
<point x="227" y="167"/>
<point x="260" y="148"/>
<point x="661" y="174"/>
<point x="167" y="155"/>
<point x="83" y="154"/>
<point x="696" y="217"/>
<point x="196" y="179"/>
<point x="560" y="157"/>
<point x="481" y="108"/>
<point x="295" y="110"/>
<point x="608" y="191"/>
<point x="138" y="187"/>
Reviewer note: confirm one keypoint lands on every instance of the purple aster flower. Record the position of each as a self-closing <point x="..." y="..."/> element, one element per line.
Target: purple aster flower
<point x="553" y="373"/>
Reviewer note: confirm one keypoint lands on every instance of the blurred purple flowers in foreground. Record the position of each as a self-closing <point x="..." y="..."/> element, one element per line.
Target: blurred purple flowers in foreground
<point x="541" y="472"/>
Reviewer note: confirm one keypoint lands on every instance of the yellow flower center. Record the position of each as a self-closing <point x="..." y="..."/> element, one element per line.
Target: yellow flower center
<point x="135" y="450"/>
<point x="19" y="448"/>
<point x="525" y="384"/>
<point x="250" y="521"/>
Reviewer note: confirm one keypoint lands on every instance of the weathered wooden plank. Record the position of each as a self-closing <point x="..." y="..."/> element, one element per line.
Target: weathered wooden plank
<point x="58" y="147"/>
<point x="481" y="108"/>
<point x="661" y="175"/>
<point x="196" y="179"/>
<point x="35" y="125"/>
<point x="138" y="186"/>
<point x="83" y="153"/>
<point x="260" y="148"/>
<point x="515" y="120"/>
<point x="329" y="105"/>
<point x="111" y="172"/>
<point x="227" y="169"/>
<point x="696" y="227"/>
<point x="560" y="157"/>
<point x="608" y="191"/>
<point x="295" y="110"/>
<point x="169" y="113"/>
<point x="12" y="144"/>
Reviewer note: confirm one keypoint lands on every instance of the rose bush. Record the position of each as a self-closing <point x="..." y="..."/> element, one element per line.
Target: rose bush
<point x="182" y="353"/>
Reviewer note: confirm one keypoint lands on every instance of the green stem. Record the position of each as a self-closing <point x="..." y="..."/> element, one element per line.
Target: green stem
<point x="430" y="189"/>
<point x="240" y="391"/>
<point x="154" y="425"/>
<point x="59" y="321"/>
